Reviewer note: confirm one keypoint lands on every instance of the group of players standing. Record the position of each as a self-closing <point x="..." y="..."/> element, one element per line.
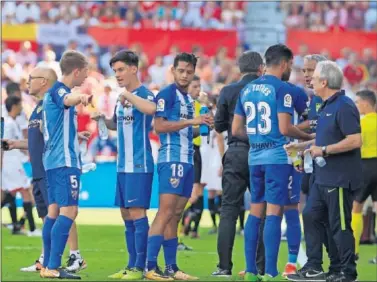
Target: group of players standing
<point x="270" y="108"/>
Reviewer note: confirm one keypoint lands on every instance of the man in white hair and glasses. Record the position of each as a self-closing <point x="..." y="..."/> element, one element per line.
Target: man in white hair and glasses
<point x="338" y="141"/>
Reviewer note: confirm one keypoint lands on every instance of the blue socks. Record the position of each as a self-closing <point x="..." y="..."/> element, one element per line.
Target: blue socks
<point x="141" y="240"/>
<point x="130" y="242"/>
<point x="272" y="235"/>
<point x="154" y="246"/>
<point x="251" y="242"/>
<point x="293" y="234"/>
<point x="170" y="254"/>
<point x="46" y="236"/>
<point x="59" y="237"/>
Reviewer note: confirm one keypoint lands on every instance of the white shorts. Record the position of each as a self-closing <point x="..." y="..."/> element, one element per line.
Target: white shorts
<point x="14" y="176"/>
<point x="211" y="163"/>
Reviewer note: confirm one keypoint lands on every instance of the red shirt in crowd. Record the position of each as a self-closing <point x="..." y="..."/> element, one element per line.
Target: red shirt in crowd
<point x="353" y="74"/>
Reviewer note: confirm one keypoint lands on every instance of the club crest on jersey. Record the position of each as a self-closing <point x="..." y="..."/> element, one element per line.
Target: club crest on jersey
<point x="74" y="194"/>
<point x="160" y="105"/>
<point x="62" y="91"/>
<point x="127" y="104"/>
<point x="39" y="109"/>
<point x="287" y="100"/>
<point x="174" y="182"/>
<point x="150" y="98"/>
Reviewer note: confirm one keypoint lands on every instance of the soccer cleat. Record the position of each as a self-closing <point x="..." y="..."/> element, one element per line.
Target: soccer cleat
<point x="289" y="269"/>
<point x="340" y="277"/>
<point x="222" y="273"/>
<point x="133" y="274"/>
<point x="36" y="267"/>
<point x="183" y="247"/>
<point x="330" y="276"/>
<point x="307" y="274"/>
<point x="75" y="264"/>
<point x="268" y="277"/>
<point x="180" y="275"/>
<point x="35" y="233"/>
<point x="373" y="260"/>
<point x="60" y="274"/>
<point x="157" y="275"/>
<point x="119" y="274"/>
<point x="251" y="277"/>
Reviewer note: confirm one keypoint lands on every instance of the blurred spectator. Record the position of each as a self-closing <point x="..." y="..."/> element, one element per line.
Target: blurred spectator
<point x="105" y="59"/>
<point x="157" y="71"/>
<point x="298" y="60"/>
<point x="342" y="61"/>
<point x="26" y="55"/>
<point x="130" y="20"/>
<point x="5" y="52"/>
<point x="27" y="12"/>
<point x="110" y="19"/>
<point x="169" y="58"/>
<point x="107" y="100"/>
<point x="12" y="69"/>
<point x="368" y="59"/>
<point x="371" y="18"/>
<point x="353" y="72"/>
<point x="49" y="61"/>
<point x="295" y="18"/>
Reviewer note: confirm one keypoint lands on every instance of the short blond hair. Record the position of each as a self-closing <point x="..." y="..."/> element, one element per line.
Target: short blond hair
<point x="72" y="60"/>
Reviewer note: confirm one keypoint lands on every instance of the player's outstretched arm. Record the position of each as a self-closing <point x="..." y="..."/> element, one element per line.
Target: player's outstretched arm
<point x="16" y="144"/>
<point x="110" y="123"/>
<point x="238" y="125"/>
<point x="143" y="105"/>
<point x="73" y="99"/>
<point x="303" y="125"/>
<point x="162" y="125"/>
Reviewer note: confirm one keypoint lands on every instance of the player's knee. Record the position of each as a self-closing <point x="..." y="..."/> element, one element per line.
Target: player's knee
<point x="291" y="207"/>
<point x="53" y="211"/>
<point x="70" y="212"/>
<point x="136" y="213"/>
<point x="273" y="209"/>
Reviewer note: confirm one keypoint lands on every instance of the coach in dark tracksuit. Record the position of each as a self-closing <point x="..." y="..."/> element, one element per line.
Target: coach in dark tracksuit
<point x="338" y="139"/>
<point x="235" y="178"/>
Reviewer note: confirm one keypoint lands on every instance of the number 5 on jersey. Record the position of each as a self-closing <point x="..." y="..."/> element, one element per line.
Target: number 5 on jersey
<point x="262" y="122"/>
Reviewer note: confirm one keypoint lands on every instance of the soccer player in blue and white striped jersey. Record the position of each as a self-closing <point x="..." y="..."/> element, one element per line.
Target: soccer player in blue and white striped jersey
<point x="132" y="119"/>
<point x="62" y="160"/>
<point x="173" y="121"/>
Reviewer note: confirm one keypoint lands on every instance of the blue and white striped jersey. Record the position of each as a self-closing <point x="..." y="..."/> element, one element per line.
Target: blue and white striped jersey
<point x="133" y="127"/>
<point x="59" y="130"/>
<point x="174" y="105"/>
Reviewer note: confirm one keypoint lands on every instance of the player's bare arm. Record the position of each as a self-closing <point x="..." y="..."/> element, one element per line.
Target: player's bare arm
<point x="143" y="105"/>
<point x="110" y="124"/>
<point x="238" y="126"/>
<point x="288" y="129"/>
<point x="17" y="144"/>
<point x="162" y="125"/>
<point x="75" y="99"/>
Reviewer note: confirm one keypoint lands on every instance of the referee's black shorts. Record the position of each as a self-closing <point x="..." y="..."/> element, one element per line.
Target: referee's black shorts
<point x="305" y="183"/>
<point x="197" y="164"/>
<point x="369" y="185"/>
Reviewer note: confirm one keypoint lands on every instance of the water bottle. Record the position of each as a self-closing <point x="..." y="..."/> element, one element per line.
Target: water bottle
<point x="83" y="147"/>
<point x="102" y="129"/>
<point x="88" y="167"/>
<point x="204" y="129"/>
<point x="320" y="161"/>
<point x="2" y="128"/>
<point x="308" y="163"/>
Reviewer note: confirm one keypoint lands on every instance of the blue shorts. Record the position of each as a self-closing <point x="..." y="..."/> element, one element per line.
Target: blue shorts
<point x="176" y="178"/>
<point x="294" y="187"/>
<point x="40" y="196"/>
<point x="269" y="183"/>
<point x="133" y="190"/>
<point x="63" y="186"/>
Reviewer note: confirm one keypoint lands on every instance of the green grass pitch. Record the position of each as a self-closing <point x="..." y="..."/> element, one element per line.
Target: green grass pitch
<point x="104" y="249"/>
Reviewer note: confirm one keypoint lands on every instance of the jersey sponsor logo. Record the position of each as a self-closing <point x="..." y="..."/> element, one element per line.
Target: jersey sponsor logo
<point x="160" y="105"/>
<point x="74" y="194"/>
<point x="267" y="145"/>
<point x="184" y="116"/>
<point x="317" y="106"/>
<point x="34" y="123"/>
<point x="174" y="182"/>
<point x="126" y="119"/>
<point x="288" y="100"/>
<point x="62" y="91"/>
